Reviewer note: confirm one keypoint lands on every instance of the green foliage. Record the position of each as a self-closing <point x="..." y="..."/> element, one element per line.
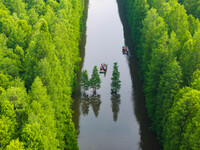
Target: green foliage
<point x="154" y="38"/>
<point x="181" y="118"/>
<point x="84" y="80"/>
<point x="7" y="129"/>
<point x="7" y="122"/>
<point x="167" y="46"/>
<point x="191" y="135"/>
<point x="39" y="39"/>
<point x="156" y="3"/>
<point x="19" y="99"/>
<point x="194" y="24"/>
<point x="115" y="85"/>
<point x="192" y="7"/>
<point x="10" y="67"/>
<point x="177" y="22"/>
<point x="137" y="11"/>
<point x="40" y="131"/>
<point x="15" y="145"/>
<point x="155" y="54"/>
<point x="33" y="16"/>
<point x="169" y="84"/>
<point x="95" y="81"/>
<point x="4" y="80"/>
<point x="174" y="46"/>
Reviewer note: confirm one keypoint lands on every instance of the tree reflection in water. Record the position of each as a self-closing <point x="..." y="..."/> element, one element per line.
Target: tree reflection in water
<point x="115" y="102"/>
<point x="94" y="100"/>
<point x="85" y="103"/>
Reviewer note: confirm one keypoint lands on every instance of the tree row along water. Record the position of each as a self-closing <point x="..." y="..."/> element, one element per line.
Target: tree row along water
<point x="166" y="40"/>
<point x="107" y="121"/>
<point x="39" y="57"/>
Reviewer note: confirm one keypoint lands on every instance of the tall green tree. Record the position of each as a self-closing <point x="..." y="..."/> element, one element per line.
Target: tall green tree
<point x="182" y="113"/>
<point x="194" y="24"/>
<point x="177" y="21"/>
<point x="136" y="13"/>
<point x="40" y="47"/>
<point x="169" y="84"/>
<point x="192" y="7"/>
<point x="95" y="81"/>
<point x="19" y="99"/>
<point x="191" y="134"/>
<point x="154" y="33"/>
<point x="84" y="80"/>
<point x="195" y="80"/>
<point x="184" y="60"/>
<point x="190" y="57"/>
<point x="40" y="131"/>
<point x="7" y="122"/>
<point x="115" y="84"/>
<point x="155" y="54"/>
<point x="174" y="46"/>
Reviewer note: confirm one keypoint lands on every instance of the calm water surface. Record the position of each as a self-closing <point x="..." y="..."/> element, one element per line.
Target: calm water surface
<point x="105" y="121"/>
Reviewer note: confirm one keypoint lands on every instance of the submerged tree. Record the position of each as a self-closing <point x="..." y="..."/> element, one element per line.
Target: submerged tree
<point x="95" y="81"/>
<point x="84" y="80"/>
<point x="115" y="85"/>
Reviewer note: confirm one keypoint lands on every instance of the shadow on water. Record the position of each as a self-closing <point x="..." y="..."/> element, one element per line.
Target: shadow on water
<point x="148" y="138"/>
<point x="115" y="102"/>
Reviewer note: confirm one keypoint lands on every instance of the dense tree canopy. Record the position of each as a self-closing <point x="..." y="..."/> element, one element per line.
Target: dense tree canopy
<point x="166" y="38"/>
<point x="192" y="7"/>
<point x="39" y="57"/>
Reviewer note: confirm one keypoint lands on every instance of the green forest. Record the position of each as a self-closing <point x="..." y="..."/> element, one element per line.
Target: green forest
<point x="166" y="37"/>
<point x="39" y="57"/>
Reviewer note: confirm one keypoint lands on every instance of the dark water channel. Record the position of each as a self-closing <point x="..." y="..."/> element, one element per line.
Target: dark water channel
<point x="105" y="121"/>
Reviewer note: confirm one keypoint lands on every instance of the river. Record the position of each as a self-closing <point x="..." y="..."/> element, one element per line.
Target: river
<point x="106" y="121"/>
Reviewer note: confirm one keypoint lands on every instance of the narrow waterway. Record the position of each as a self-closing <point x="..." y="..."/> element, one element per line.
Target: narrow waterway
<point x="105" y="121"/>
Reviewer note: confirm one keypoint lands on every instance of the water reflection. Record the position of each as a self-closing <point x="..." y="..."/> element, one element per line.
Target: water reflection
<point x="110" y="130"/>
<point x="115" y="102"/>
<point x="94" y="100"/>
<point x="85" y="104"/>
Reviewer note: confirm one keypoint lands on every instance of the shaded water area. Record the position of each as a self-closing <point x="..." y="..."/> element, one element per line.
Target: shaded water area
<point x="105" y="121"/>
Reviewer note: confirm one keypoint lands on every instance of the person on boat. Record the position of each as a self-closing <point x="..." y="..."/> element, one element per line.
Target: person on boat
<point x="101" y="67"/>
<point x="104" y="67"/>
